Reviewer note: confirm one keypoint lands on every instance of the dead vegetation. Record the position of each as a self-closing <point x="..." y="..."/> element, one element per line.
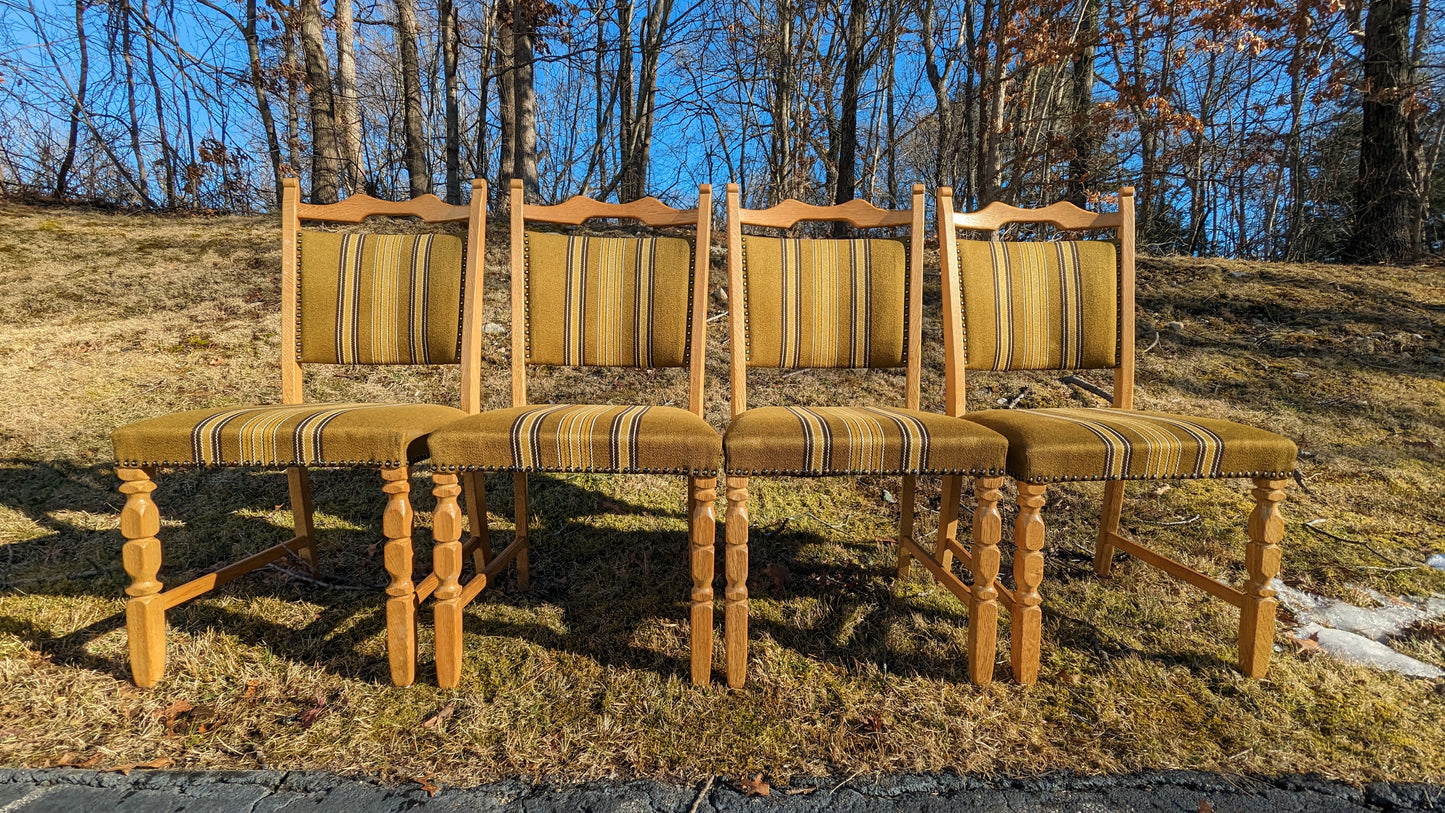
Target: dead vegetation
<point x="110" y="318"/>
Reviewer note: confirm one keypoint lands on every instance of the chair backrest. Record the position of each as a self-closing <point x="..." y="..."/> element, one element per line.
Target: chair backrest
<point x="824" y="303"/>
<point x="381" y="298"/>
<point x="608" y="301"/>
<point x="1037" y="305"/>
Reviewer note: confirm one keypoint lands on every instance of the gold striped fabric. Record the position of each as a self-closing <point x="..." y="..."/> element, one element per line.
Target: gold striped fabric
<point x="857" y="440"/>
<point x="1118" y="444"/>
<point x="579" y="438"/>
<point x="824" y="303"/>
<point x="380" y="298"/>
<point x="1039" y="305"/>
<point x="285" y="435"/>
<point x="607" y="301"/>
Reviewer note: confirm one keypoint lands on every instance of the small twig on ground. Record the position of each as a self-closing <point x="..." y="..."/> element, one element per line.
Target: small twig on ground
<point x="1185" y="521"/>
<point x="1152" y="345"/>
<point x="840" y="785"/>
<point x="1300" y="479"/>
<point x="1313" y="525"/>
<point x="1087" y="386"/>
<point x="702" y="794"/>
<point x="818" y="519"/>
<point x="716" y="317"/>
<point x="1017" y="398"/>
<point x="798" y="371"/>
<point x="319" y="583"/>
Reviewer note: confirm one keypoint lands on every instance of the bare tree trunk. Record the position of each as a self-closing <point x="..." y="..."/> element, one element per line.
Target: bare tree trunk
<point x="507" y="107"/>
<point x="325" y="151"/>
<point x="348" y="119"/>
<point x="415" y="154"/>
<point x="638" y="111"/>
<point x="77" y="108"/>
<point x="1082" y="138"/>
<point x="168" y="154"/>
<point x="525" y="102"/>
<point x="1385" y="193"/>
<point x="450" y="46"/>
<point x="780" y="184"/>
<point x="625" y="111"/>
<point x="293" y="101"/>
<point x="853" y="67"/>
<point x="123" y="9"/>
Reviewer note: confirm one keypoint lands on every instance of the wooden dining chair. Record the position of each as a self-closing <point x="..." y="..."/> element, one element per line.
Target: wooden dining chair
<point x="582" y="300"/>
<point x="1069" y="305"/>
<point x="836" y="304"/>
<point x="346" y="298"/>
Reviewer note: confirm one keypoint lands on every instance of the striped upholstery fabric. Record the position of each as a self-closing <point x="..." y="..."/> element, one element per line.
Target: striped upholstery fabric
<point x="1047" y="445"/>
<point x="579" y="438"/>
<point x="380" y="298"/>
<point x="608" y="301"/>
<point x="824" y="303"/>
<point x="1039" y="305"/>
<point x="858" y="440"/>
<point x="284" y="435"/>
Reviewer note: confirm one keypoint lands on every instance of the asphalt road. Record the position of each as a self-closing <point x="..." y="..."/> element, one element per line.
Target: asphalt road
<point x="78" y="791"/>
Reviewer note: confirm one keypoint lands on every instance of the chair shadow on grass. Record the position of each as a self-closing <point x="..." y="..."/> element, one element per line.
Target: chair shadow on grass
<point x="607" y="583"/>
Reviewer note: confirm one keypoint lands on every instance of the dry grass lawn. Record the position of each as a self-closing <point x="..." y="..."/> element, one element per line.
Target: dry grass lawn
<point x="106" y="319"/>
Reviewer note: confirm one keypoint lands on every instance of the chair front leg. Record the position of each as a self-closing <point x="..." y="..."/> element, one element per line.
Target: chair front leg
<point x="145" y="612"/>
<point x="1108" y="524"/>
<point x="396" y="525"/>
<point x="1028" y="574"/>
<point x="702" y="493"/>
<point x="447" y="563"/>
<point x="298" y="481"/>
<point x="735" y="634"/>
<point x="1256" y="616"/>
<point x="983" y="604"/>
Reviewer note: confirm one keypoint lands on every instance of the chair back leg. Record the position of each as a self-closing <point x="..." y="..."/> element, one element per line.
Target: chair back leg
<point x="474" y="490"/>
<point x="519" y="514"/>
<point x="298" y="481"/>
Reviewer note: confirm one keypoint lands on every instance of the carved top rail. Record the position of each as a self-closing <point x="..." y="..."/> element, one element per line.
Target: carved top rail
<point x="1062" y="215"/>
<point x="357" y="208"/>
<point x="857" y="213"/>
<point x="578" y="209"/>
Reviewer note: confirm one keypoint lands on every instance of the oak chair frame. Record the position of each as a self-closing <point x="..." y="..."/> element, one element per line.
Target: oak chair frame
<point x="785" y="215"/>
<point x="453" y="595"/>
<point x="1255" y="601"/>
<point x="140" y="520"/>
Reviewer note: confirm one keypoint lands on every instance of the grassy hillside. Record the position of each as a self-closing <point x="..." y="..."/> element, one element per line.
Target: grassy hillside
<point x="106" y="319"/>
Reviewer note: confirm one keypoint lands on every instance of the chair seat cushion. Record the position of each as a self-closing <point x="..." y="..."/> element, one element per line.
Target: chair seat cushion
<point x="284" y="435"/>
<point x="1049" y="445"/>
<point x="858" y="440"/>
<point x="579" y="438"/>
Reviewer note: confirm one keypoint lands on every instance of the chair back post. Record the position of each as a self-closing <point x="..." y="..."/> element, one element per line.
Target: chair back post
<point x="1124" y="373"/>
<point x="914" y="324"/>
<point x="955" y="361"/>
<point x="737" y="305"/>
<point x="701" y="268"/>
<point x="471" y="400"/>
<point x="290" y="291"/>
<point x="519" y="294"/>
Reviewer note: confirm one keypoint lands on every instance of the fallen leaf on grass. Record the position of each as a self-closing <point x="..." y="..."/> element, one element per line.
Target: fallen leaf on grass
<point x="1205" y="806"/>
<point x="74" y="761"/>
<point x="154" y="765"/>
<point x="426" y="784"/>
<point x="755" y="786"/>
<point x="436" y="719"/>
<point x="1161" y="489"/>
<point x="778" y="573"/>
<point x="1423" y="444"/>
<point x="174" y="710"/>
<point x="1304" y="645"/>
<point x="308" y="717"/>
<point x="252" y="687"/>
<point x="874" y="724"/>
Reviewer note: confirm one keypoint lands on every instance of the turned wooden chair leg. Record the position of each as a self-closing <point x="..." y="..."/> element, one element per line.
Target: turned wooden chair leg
<point x="1028" y="574"/>
<point x="145" y="613"/>
<point x="447" y="563"/>
<point x="906" y="514"/>
<point x="1256" y="617"/>
<point x="519" y="513"/>
<point x="298" y="480"/>
<point x="1108" y="524"/>
<point x="702" y="493"/>
<point x="983" y="601"/>
<point x="735" y="621"/>
<point x="474" y="490"/>
<point x="948" y="519"/>
<point x="396" y="524"/>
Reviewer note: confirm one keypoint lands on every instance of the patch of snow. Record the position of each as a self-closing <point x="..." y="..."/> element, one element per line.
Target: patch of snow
<point x="1360" y="634"/>
<point x="1436" y="561"/>
<point x="1352" y="648"/>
